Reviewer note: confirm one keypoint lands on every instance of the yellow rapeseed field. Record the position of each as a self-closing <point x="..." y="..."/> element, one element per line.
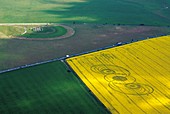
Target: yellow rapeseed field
<point x="133" y="78"/>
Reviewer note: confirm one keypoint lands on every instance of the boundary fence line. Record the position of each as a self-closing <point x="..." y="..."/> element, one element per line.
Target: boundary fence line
<point x="78" y="54"/>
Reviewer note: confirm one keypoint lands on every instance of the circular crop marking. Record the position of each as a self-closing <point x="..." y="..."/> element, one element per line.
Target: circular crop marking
<point x="133" y="85"/>
<point x="119" y="79"/>
<point x="44" y="31"/>
<point x="107" y="71"/>
<point x="132" y="88"/>
<point x="110" y="69"/>
<point x="50" y="32"/>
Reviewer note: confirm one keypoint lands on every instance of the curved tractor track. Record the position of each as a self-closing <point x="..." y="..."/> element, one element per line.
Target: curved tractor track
<point x="70" y="31"/>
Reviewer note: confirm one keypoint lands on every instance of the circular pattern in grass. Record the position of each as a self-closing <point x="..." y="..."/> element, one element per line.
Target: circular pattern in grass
<point x="45" y="32"/>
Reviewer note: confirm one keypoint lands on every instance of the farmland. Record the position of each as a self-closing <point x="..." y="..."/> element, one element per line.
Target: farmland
<point x="153" y="12"/>
<point x="43" y="89"/>
<point x="126" y="79"/>
<point x="130" y="78"/>
<point x="15" y="52"/>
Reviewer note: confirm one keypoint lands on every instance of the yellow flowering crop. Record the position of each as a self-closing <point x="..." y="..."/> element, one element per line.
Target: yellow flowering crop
<point x="133" y="78"/>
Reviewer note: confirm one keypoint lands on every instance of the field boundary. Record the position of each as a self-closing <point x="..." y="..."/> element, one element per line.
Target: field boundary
<point x="69" y="69"/>
<point x="73" y="55"/>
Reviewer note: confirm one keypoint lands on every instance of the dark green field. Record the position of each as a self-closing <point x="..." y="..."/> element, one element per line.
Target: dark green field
<point x="150" y="12"/>
<point x="47" y="88"/>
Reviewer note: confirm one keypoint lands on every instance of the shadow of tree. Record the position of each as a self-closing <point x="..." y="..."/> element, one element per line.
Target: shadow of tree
<point x="144" y="12"/>
<point x="109" y="11"/>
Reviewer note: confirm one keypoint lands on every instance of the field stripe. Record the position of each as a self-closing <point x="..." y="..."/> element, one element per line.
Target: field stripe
<point x="147" y="72"/>
<point x="135" y="73"/>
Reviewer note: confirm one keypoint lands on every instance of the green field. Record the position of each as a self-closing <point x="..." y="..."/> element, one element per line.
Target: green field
<point x="152" y="12"/>
<point x="43" y="89"/>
